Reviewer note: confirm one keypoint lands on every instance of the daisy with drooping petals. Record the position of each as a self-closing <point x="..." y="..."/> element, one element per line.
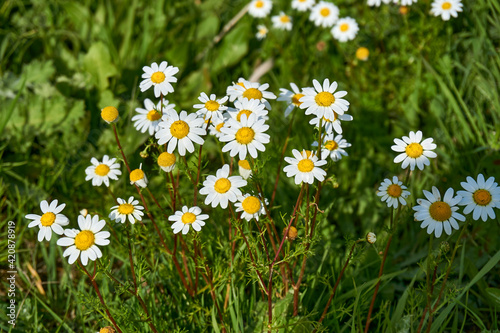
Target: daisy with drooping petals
<point x="244" y="169"/>
<point x="261" y="32"/>
<point x="323" y="101"/>
<point x="393" y="192"/>
<point x="250" y="206"/>
<point x="292" y="97"/>
<point x="282" y="21"/>
<point x="149" y="118"/>
<point x="446" y="8"/>
<point x="220" y="189"/>
<point x="252" y="90"/>
<point x="124" y="209"/>
<point x="245" y="136"/>
<point x="331" y="126"/>
<point x="138" y="177"/>
<point x="166" y="161"/>
<point x="110" y="114"/>
<point x="216" y="126"/>
<point x="377" y="3"/>
<point x="305" y="166"/>
<point x="414" y="152"/>
<point x="247" y="107"/>
<point x="480" y="197"/>
<point x="212" y="107"/>
<point x="101" y="172"/>
<point x="333" y="147"/>
<point x="345" y="29"/>
<point x="159" y="77"/>
<point x="83" y="243"/>
<point x="302" y="5"/>
<point x="180" y="131"/>
<point x="438" y="214"/>
<point x="187" y="217"/>
<point x="324" y="14"/>
<point x="50" y="220"/>
<point x="260" y="8"/>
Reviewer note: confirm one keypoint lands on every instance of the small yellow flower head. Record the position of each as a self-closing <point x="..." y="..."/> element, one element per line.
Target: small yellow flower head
<point x="138" y="177"/>
<point x="362" y="53"/>
<point x="371" y="238"/>
<point x="292" y="233"/>
<point x="166" y="161"/>
<point x="244" y="169"/>
<point x="110" y="114"/>
<point x="403" y="10"/>
<point x="107" y="329"/>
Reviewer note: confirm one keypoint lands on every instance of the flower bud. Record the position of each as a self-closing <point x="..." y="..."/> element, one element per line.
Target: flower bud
<point x="371" y="238"/>
<point x="109" y="114"/>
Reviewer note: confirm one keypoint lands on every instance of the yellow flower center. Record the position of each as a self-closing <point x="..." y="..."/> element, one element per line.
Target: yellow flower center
<point x="244" y="164"/>
<point x="242" y="112"/>
<point x="106" y="330"/>
<point x="403" y="10"/>
<point x="362" y="53"/>
<point x="136" y="175"/>
<point x="296" y="99"/>
<point x="158" y="77"/>
<point x="179" y="129"/>
<point x="84" y="240"/>
<point x="153" y="115"/>
<point x="251" y="205"/>
<point x="102" y="170"/>
<point x="166" y="159"/>
<point x="241" y="84"/>
<point x="245" y="135"/>
<point x="222" y="185"/>
<point x="394" y="190"/>
<point x="125" y="209"/>
<point x="212" y="106"/>
<point x="252" y="93"/>
<point x="305" y="165"/>
<point x="344" y="27"/>
<point x="331" y="145"/>
<point x="440" y="211"/>
<point x="219" y="126"/>
<point x="292" y="233"/>
<point x="446" y="5"/>
<point x="414" y="150"/>
<point x="188" y="218"/>
<point x="482" y="197"/>
<point x="262" y="31"/>
<point x="109" y="114"/>
<point x="324" y="12"/>
<point x="284" y="19"/>
<point x="48" y="219"/>
<point x="324" y="98"/>
<point x="259" y="4"/>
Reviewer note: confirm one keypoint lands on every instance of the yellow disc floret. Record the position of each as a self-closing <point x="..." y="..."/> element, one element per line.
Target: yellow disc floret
<point x="394" y="190"/>
<point x="414" y="150"/>
<point x="188" y="218"/>
<point x="446" y="5"/>
<point x="305" y="165"/>
<point x="344" y="27"/>
<point x="362" y="53"/>
<point x="285" y="19"/>
<point x="84" y="240"/>
<point x="219" y="126"/>
<point x="212" y="106"/>
<point x="296" y="99"/>
<point x="126" y="209"/>
<point x="331" y="145"/>
<point x="242" y="112"/>
<point x="244" y="164"/>
<point x="179" y="129"/>
<point x="136" y="175"/>
<point x="245" y="135"/>
<point x="109" y="114"/>
<point x="102" y="170"/>
<point x="482" y="197"/>
<point x="166" y="159"/>
<point x="259" y="4"/>
<point x="440" y="211"/>
<point x="324" y="98"/>
<point x="252" y="93"/>
<point x="324" y="12"/>
<point x="222" y="185"/>
<point x="158" y="77"/>
<point x="251" y="205"/>
<point x="48" y="219"/>
<point x="153" y="115"/>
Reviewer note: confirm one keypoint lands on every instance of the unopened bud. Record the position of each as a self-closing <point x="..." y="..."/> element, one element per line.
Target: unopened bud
<point x="444" y="247"/>
<point x="292" y="233"/>
<point x="371" y="238"/>
<point x="84" y="212"/>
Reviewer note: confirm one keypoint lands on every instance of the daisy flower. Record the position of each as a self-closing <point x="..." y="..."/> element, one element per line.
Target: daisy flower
<point x="446" y="8"/>
<point x="261" y="32"/>
<point x="148" y="119"/>
<point x="187" y="217"/>
<point x="101" y="172"/>
<point x="302" y="5"/>
<point x="333" y="147"/>
<point x="282" y="21"/>
<point x="324" y="14"/>
<point x="246" y="107"/>
<point x="131" y="209"/>
<point x="305" y="167"/>
<point x="180" y="131"/>
<point x="437" y="214"/>
<point x="159" y="77"/>
<point x="331" y="126"/>
<point x="392" y="192"/>
<point x="250" y="206"/>
<point x="260" y="8"/>
<point x="50" y="221"/>
<point x="377" y="3"/>
<point x="110" y="114"/>
<point x="221" y="188"/>
<point x="414" y="152"/>
<point x="251" y="90"/>
<point x="480" y="197"/>
<point x="405" y="2"/>
<point x="216" y="126"/>
<point x="345" y="29"/>
<point x="212" y="107"/>
<point x="166" y="161"/>
<point x="230" y="91"/>
<point x="323" y="101"/>
<point x="362" y="53"/>
<point x="83" y="243"/>
<point x="244" y="169"/>
<point x="244" y="136"/>
<point x="138" y="177"/>
<point x="291" y="97"/>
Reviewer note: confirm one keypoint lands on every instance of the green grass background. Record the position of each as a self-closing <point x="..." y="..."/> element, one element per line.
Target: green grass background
<point x="62" y="61"/>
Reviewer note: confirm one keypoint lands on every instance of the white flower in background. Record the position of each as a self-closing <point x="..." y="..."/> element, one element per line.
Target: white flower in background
<point x="438" y="214"/>
<point x="247" y="107"/>
<point x="480" y="197"/>
<point x="187" y="217"/>
<point x="181" y="131"/>
<point x="393" y="192"/>
<point x="302" y="5"/>
<point x="101" y="172"/>
<point x="124" y="209"/>
<point x="414" y="151"/>
<point x="446" y="8"/>
<point x="282" y="21"/>
<point x="211" y="107"/>
<point x="159" y="77"/>
<point x="230" y="91"/>
<point x="291" y="97"/>
<point x="405" y="2"/>
<point x="261" y="32"/>
<point x="220" y="189"/>
<point x="251" y="90"/>
<point x="305" y="167"/>
<point x="250" y="206"/>
<point x="216" y="126"/>
<point x="51" y="220"/>
<point x="324" y="14"/>
<point x="323" y="101"/>
<point x="245" y="136"/>
<point x="345" y="29"/>
<point x="148" y="119"/>
<point x="260" y="8"/>
<point x="377" y="2"/>
<point x="331" y="126"/>
<point x="333" y="147"/>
